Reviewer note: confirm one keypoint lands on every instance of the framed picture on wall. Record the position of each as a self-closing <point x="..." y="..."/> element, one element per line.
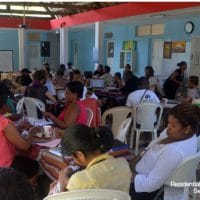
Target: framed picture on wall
<point x="178" y="46"/>
<point x="167" y="50"/>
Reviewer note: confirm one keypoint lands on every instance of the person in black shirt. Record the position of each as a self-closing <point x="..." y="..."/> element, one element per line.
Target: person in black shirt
<point x="99" y="71"/>
<point x="174" y="81"/>
<point x="131" y="83"/>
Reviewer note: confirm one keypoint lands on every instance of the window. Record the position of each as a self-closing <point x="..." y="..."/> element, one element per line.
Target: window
<point x="150" y="29"/>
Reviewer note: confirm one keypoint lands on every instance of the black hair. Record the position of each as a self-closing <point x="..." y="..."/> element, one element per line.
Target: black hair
<point x="101" y="66"/>
<point x="3" y="94"/>
<point x="181" y="63"/>
<point x="15" y="186"/>
<point x="107" y="69"/>
<point x="69" y="64"/>
<point x="118" y="74"/>
<point x="186" y="114"/>
<point x="87" y="140"/>
<point x="128" y="66"/>
<point x="3" y="99"/>
<point x="39" y="75"/>
<point x="143" y="83"/>
<point x="5" y="88"/>
<point x="76" y="87"/>
<point x="194" y="79"/>
<point x="60" y="72"/>
<point x="76" y="71"/>
<point x="62" y="66"/>
<point x="150" y="71"/>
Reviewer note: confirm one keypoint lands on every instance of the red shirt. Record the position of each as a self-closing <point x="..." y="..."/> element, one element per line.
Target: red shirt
<point x="7" y="149"/>
<point x="82" y="117"/>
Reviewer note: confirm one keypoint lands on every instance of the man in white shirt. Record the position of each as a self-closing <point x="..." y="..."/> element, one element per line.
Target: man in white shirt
<point x="143" y="94"/>
<point x="107" y="76"/>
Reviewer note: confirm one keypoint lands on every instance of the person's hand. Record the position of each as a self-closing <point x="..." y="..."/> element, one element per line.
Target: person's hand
<point x="64" y="176"/>
<point x="24" y="126"/>
<point x="34" y="130"/>
<point x="47" y="115"/>
<point x="52" y="185"/>
<point x="135" y="160"/>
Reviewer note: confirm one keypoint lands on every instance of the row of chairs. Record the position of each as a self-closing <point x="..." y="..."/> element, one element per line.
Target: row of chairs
<point x="146" y="118"/>
<point x="149" y="120"/>
<point x="90" y="194"/>
<point x="32" y="104"/>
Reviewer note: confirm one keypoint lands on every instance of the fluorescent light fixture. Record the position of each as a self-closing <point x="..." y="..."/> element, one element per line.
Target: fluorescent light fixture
<point x="27" y="15"/>
<point x="158" y="15"/>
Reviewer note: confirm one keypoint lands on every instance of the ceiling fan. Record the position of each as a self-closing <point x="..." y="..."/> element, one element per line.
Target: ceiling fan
<point x="24" y="25"/>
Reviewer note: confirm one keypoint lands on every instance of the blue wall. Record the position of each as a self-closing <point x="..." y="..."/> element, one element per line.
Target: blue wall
<point x="85" y="40"/>
<point x="9" y="41"/>
<point x="174" y="30"/>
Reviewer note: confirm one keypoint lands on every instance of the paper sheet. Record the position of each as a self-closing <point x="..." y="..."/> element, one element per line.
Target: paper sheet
<point x="50" y="144"/>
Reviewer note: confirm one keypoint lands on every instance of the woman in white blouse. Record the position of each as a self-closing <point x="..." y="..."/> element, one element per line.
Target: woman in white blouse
<point x="164" y="154"/>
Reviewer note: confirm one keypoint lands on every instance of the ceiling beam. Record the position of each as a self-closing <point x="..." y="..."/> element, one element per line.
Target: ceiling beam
<point x="54" y="5"/>
<point x="26" y="12"/>
<point x="49" y="12"/>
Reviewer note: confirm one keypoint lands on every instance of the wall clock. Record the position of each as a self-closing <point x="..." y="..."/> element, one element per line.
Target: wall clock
<point x="189" y="27"/>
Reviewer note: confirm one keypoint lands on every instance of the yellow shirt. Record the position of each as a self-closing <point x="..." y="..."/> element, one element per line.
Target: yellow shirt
<point x="103" y="172"/>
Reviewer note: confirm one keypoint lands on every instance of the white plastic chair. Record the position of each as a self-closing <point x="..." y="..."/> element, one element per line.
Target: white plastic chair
<point x="90" y="194"/>
<point x="118" y="115"/>
<point x="146" y="119"/>
<point x="123" y="130"/>
<point x="89" y="116"/>
<point x="31" y="105"/>
<point x="184" y="173"/>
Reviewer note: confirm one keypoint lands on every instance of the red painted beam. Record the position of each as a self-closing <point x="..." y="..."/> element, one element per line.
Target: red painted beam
<point x="9" y="22"/>
<point x="119" y="11"/>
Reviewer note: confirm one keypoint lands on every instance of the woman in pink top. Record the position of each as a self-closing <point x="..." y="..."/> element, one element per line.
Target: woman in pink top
<point x="10" y="140"/>
<point x="74" y="111"/>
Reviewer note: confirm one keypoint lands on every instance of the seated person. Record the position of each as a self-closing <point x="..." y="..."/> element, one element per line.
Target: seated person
<point x="193" y="90"/>
<point x="154" y="83"/>
<point x="90" y="93"/>
<point x="24" y="79"/>
<point x="77" y="76"/>
<point x="15" y="186"/>
<point x="49" y="83"/>
<point x="107" y="77"/>
<point x="117" y="80"/>
<point x="99" y="71"/>
<point x="60" y="81"/>
<point x="164" y="154"/>
<point x="142" y="94"/>
<point x="130" y="84"/>
<point x="38" y="89"/>
<point x="74" y="111"/>
<point x="10" y="140"/>
<point x="127" y="69"/>
<point x="100" y="170"/>
<point x="5" y="86"/>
